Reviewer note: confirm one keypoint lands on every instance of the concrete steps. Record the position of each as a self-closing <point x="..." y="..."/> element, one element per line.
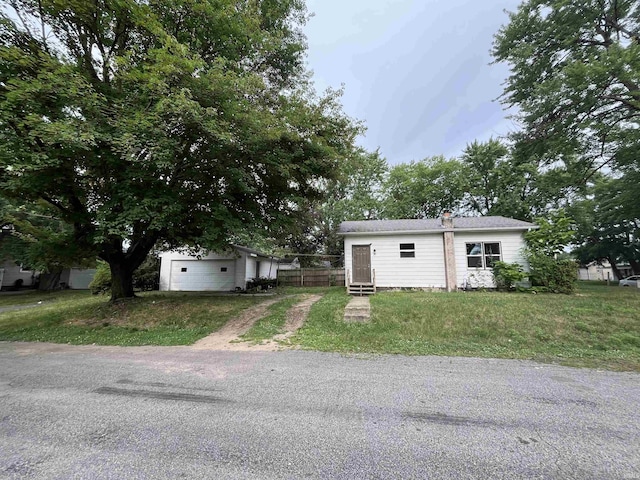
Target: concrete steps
<point x="358" y="310"/>
<point x="361" y="289"/>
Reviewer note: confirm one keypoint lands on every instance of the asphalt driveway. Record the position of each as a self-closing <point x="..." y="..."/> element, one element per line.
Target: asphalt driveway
<point x="112" y="412"/>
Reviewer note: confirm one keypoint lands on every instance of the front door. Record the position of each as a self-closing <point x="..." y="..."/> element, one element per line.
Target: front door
<point x="361" y="263"/>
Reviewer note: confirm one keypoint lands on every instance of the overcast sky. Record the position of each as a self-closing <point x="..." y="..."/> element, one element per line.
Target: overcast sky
<point x="416" y="71"/>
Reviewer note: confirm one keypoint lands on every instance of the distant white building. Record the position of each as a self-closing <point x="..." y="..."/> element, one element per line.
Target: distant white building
<point x="12" y="272"/>
<point x="603" y="271"/>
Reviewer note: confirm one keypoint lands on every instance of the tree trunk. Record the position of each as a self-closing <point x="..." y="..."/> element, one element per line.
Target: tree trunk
<point x="614" y="267"/>
<point x="121" y="281"/>
<point x="50" y="280"/>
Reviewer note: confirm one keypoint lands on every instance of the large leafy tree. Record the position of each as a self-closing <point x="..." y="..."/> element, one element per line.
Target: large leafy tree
<point x="424" y="189"/>
<point x="354" y="194"/>
<point x="512" y="180"/>
<point x="575" y="78"/>
<point x="609" y="221"/>
<point x="173" y="122"/>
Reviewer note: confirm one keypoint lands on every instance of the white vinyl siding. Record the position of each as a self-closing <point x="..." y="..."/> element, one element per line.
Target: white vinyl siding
<point x="511" y="244"/>
<point x="425" y="270"/>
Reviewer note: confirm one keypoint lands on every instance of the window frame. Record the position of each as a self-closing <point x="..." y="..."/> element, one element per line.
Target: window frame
<point x="407" y="250"/>
<point x="483" y="255"/>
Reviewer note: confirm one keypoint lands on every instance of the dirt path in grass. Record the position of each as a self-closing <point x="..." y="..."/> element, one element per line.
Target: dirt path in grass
<point x="227" y="337"/>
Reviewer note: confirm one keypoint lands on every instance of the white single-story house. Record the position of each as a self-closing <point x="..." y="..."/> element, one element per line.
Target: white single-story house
<point x="289" y="264"/>
<point x="10" y="272"/>
<point x="218" y="272"/>
<point x="603" y="271"/>
<point x="443" y="254"/>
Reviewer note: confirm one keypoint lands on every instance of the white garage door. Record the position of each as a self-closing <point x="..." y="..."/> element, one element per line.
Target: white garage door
<point x="202" y="275"/>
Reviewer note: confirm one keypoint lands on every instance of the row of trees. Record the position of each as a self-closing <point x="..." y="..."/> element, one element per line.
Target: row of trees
<point x="130" y="125"/>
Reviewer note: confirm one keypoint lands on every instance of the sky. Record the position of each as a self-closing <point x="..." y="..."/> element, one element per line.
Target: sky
<point x="417" y="72"/>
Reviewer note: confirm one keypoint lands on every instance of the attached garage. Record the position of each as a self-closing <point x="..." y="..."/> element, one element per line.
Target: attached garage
<point x="202" y="275"/>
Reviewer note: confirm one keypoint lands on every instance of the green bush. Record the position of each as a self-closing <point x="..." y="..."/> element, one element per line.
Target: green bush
<point x="506" y="275"/>
<point x="555" y="275"/>
<point x="101" y="282"/>
<point x="261" y="283"/>
<point x="147" y="275"/>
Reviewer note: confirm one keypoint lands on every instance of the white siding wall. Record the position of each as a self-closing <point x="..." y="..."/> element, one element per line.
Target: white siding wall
<point x="251" y="268"/>
<point x="425" y="270"/>
<point x="268" y="267"/>
<point x="511" y="244"/>
<point x="241" y="270"/>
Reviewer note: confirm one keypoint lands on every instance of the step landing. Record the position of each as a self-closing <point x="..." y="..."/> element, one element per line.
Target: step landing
<point x="358" y="310"/>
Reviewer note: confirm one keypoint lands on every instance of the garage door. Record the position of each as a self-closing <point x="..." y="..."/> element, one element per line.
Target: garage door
<point x="201" y="275"/>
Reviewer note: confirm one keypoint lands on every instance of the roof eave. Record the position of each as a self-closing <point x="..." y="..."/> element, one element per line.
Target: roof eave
<point x="440" y="230"/>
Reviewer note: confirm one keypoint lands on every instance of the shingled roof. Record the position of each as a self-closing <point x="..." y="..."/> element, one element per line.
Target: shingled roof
<point x="434" y="225"/>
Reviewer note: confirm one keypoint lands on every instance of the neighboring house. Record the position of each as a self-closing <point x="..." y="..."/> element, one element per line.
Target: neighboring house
<point x="444" y="254"/>
<point x="220" y="272"/>
<point x="10" y="272"/>
<point x="72" y="278"/>
<point x="603" y="271"/>
<point x="289" y="264"/>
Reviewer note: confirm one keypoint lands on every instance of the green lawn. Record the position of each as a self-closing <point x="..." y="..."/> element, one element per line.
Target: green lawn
<point x="34" y="296"/>
<point x="152" y="319"/>
<point x="597" y="327"/>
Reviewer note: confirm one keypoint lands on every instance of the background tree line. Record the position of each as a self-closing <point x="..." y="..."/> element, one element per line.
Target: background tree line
<point x="128" y="126"/>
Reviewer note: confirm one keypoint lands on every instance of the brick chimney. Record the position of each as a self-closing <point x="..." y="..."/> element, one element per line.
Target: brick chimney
<point x="449" y="253"/>
<point x="447" y="220"/>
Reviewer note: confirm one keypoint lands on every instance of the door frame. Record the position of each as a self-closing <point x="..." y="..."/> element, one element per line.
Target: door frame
<point x="353" y="263"/>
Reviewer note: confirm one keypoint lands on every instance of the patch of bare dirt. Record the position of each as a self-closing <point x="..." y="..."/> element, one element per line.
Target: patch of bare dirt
<point x="295" y="319"/>
<point x="227" y="337"/>
<point x="221" y="340"/>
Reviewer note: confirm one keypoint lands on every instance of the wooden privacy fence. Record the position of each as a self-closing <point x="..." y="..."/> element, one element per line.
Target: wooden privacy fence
<point x="311" y="277"/>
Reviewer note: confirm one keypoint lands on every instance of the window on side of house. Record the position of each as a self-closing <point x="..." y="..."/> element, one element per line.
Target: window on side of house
<point x="407" y="250"/>
<point x="483" y="254"/>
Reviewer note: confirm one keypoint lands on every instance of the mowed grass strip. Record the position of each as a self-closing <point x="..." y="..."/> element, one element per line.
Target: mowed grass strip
<point x="273" y="322"/>
<point x="598" y="327"/>
<point x="11" y="299"/>
<point x="151" y="319"/>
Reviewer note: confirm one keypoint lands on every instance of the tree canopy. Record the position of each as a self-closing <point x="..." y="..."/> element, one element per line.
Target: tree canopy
<point x="575" y="78"/>
<point x="178" y="122"/>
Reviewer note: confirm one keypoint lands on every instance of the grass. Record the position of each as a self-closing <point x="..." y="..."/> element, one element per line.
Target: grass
<point x="598" y="327"/>
<point x="152" y="319"/>
<point x="273" y="322"/>
<point x="35" y="296"/>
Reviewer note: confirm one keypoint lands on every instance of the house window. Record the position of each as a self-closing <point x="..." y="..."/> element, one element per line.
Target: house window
<point x="183" y="269"/>
<point x="223" y="269"/>
<point x="483" y="254"/>
<point x="407" y="250"/>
